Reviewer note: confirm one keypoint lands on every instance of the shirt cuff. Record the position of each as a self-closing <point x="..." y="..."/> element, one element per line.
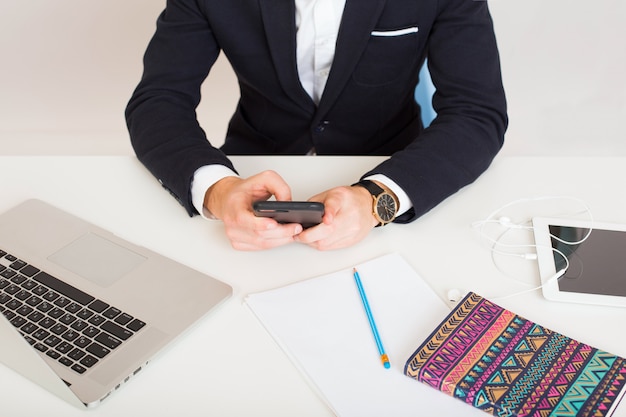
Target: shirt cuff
<point x="203" y="179"/>
<point x="404" y="203"/>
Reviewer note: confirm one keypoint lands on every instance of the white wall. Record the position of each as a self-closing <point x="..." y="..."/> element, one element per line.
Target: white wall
<point x="68" y="68"/>
<point x="564" y="67"/>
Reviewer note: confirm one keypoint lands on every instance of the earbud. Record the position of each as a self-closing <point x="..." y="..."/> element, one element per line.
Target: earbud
<point x="508" y="223"/>
<point x="505" y="221"/>
<point x="454" y="295"/>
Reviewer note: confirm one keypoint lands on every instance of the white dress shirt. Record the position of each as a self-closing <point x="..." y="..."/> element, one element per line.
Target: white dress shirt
<point x="317" y="27"/>
<point x="317" y="23"/>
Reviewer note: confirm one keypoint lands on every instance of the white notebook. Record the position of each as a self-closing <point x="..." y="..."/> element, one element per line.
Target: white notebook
<point x="321" y="325"/>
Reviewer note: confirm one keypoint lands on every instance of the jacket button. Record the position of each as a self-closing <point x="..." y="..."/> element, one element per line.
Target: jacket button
<point x="321" y="127"/>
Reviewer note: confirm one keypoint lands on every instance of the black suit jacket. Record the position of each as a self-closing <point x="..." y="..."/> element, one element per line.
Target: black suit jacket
<point x="368" y="105"/>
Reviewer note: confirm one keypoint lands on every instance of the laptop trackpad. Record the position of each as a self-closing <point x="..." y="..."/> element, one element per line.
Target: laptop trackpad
<point x="97" y="259"/>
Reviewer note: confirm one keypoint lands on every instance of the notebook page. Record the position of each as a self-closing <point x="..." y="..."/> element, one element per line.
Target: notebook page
<point x="321" y="325"/>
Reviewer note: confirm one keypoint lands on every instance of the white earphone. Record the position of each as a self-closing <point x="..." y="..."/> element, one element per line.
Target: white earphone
<point x="497" y="247"/>
<point x="455" y="295"/>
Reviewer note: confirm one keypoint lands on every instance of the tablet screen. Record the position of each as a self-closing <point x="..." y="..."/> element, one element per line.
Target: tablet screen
<point x="596" y="266"/>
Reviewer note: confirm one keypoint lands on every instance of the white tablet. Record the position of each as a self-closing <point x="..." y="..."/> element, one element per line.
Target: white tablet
<point x="596" y="267"/>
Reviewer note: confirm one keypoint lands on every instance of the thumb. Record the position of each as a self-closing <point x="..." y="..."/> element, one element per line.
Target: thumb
<point x="276" y="185"/>
<point x="331" y="209"/>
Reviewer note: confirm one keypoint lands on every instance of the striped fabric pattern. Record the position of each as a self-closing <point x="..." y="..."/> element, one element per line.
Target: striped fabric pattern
<point x="506" y="365"/>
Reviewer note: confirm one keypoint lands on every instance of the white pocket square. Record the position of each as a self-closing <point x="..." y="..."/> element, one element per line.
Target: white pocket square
<point x="397" y="32"/>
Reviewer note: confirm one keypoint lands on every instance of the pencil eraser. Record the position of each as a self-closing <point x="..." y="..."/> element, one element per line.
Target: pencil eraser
<point x="387" y="365"/>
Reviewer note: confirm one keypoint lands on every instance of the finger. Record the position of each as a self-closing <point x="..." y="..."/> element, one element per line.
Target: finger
<point x="280" y="231"/>
<point x="332" y="208"/>
<point x="275" y="185"/>
<point x="316" y="233"/>
<point x="331" y="240"/>
<point x="263" y="237"/>
<point x="260" y="243"/>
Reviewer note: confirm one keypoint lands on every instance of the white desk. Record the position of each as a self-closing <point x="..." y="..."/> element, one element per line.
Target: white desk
<point x="228" y="365"/>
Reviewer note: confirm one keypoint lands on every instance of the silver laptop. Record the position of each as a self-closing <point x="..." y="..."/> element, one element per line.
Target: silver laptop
<point x="81" y="310"/>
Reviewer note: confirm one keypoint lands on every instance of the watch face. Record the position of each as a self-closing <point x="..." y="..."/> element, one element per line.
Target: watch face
<point x="386" y="207"/>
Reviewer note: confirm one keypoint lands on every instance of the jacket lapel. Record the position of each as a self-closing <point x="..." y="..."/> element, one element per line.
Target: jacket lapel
<point x="280" y="30"/>
<point x="359" y="19"/>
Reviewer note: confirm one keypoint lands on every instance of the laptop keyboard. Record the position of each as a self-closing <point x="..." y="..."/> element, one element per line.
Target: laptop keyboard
<point x="59" y="320"/>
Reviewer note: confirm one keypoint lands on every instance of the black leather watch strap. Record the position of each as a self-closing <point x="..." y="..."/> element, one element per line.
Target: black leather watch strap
<point x="370" y="186"/>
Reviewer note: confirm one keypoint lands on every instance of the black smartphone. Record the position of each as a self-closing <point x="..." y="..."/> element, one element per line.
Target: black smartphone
<point x="306" y="213"/>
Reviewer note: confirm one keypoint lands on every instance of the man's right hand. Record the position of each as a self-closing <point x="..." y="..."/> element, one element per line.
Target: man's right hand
<point x="230" y="200"/>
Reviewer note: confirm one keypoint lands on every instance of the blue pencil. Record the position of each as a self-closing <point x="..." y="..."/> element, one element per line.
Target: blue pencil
<point x="381" y="350"/>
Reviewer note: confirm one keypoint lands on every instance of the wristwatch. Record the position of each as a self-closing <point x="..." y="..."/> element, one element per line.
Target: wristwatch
<point x="385" y="205"/>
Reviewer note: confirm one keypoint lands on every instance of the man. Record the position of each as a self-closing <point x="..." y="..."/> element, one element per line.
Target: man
<point x="332" y="77"/>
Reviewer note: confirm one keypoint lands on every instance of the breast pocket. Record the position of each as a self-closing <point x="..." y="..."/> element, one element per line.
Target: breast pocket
<point x="389" y="55"/>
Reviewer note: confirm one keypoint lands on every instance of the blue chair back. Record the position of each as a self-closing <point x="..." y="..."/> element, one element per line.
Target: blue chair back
<point x="424" y="95"/>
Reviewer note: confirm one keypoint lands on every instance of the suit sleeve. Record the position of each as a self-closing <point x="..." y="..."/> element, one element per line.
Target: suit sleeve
<point x="470" y="103"/>
<point x="160" y="115"/>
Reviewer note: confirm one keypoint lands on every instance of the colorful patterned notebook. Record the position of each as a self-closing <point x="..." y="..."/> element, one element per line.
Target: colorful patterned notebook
<point x="506" y="365"/>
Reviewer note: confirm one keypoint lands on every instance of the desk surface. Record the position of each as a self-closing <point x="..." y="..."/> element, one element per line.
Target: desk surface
<point x="228" y="365"/>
